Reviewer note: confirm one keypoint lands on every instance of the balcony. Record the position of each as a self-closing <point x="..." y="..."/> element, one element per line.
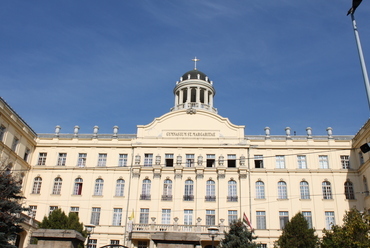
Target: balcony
<point x="210" y="198"/>
<point x="166" y="197"/>
<point x="232" y="198"/>
<point x="145" y="197"/>
<point x="188" y="197"/>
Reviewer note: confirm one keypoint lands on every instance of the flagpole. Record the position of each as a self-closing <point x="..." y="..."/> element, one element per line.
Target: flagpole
<point x="362" y="59"/>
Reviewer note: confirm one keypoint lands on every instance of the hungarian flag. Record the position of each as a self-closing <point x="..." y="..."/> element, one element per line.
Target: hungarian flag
<point x="246" y="221"/>
<point x="355" y="4"/>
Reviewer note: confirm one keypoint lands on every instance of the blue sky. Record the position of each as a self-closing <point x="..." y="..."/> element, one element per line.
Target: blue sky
<point x="273" y="63"/>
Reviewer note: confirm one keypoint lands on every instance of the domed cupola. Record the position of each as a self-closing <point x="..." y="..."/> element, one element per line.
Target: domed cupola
<point x="194" y="91"/>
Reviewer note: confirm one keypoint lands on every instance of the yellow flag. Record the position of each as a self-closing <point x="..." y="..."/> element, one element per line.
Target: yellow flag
<point x="132" y="215"/>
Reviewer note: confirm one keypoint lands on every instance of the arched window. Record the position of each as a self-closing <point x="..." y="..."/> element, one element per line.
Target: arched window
<point x="120" y="187"/>
<point x="99" y="184"/>
<point x="210" y="190"/>
<point x="348" y="190"/>
<point x="167" y="190"/>
<point x="326" y="190"/>
<point x="189" y="190"/>
<point x="366" y="188"/>
<point x="77" y="189"/>
<point x="37" y="185"/>
<point x="145" y="191"/>
<point x="260" y="190"/>
<point x="282" y="190"/>
<point x="305" y="190"/>
<point x="232" y="193"/>
<point x="57" y="186"/>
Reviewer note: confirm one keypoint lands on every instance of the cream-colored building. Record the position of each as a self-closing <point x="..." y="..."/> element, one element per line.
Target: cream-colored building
<point x="188" y="170"/>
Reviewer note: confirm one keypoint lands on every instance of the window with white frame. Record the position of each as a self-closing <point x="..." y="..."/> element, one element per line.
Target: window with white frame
<point x="283" y="218"/>
<point x="75" y="210"/>
<point x="102" y="160"/>
<point x="232" y="194"/>
<point x="348" y="190"/>
<point x="210" y="190"/>
<point x="301" y="160"/>
<point x="92" y="243"/>
<point x="169" y="160"/>
<point x="189" y="190"/>
<point x="326" y="190"/>
<point x="211" y="160"/>
<point x="120" y="187"/>
<point x="323" y="162"/>
<point x="77" y="189"/>
<point x="99" y="184"/>
<point x="282" y="190"/>
<point x="231" y="160"/>
<point x="36" y="185"/>
<point x="189" y="160"/>
<point x="329" y="220"/>
<point x="117" y="216"/>
<point x="166" y="216"/>
<point x="260" y="190"/>
<point x="258" y="161"/>
<point x="210" y="217"/>
<point x="344" y="159"/>
<point x="95" y="216"/>
<point x="81" y="162"/>
<point x="145" y="190"/>
<point x="114" y="242"/>
<point x="280" y="161"/>
<point x="57" y="186"/>
<point x="261" y="219"/>
<point x="52" y="208"/>
<point x="122" y="160"/>
<point x="144" y="216"/>
<point x="32" y="210"/>
<point x="15" y="143"/>
<point x="232" y="215"/>
<point x="62" y="158"/>
<point x="2" y="132"/>
<point x="148" y="159"/>
<point x="188" y="217"/>
<point x="42" y="158"/>
<point x="167" y="190"/>
<point x="261" y="245"/>
<point x="304" y="190"/>
<point x="308" y="216"/>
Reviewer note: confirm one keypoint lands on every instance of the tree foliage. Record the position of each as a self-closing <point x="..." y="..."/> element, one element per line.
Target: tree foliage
<point x="297" y="234"/>
<point x="354" y="233"/>
<point x="238" y="237"/>
<point x="10" y="205"/>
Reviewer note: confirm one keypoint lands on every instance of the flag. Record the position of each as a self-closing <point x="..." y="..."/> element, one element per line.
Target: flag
<point x="355" y="4"/>
<point x="246" y="221"/>
<point x="132" y="215"/>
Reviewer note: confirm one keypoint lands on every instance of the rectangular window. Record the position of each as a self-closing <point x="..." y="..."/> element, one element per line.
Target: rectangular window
<point x="280" y="161"/>
<point x="144" y="215"/>
<point x="301" y="160"/>
<point x="92" y="243"/>
<point x="261" y="219"/>
<point x="189" y="160"/>
<point x="26" y="154"/>
<point x="117" y="216"/>
<point x="75" y="210"/>
<point x="15" y="143"/>
<point x="62" y="158"/>
<point x="102" y="160"/>
<point x="232" y="215"/>
<point x="81" y="162"/>
<point x="166" y="216"/>
<point x="42" y="158"/>
<point x="210" y="217"/>
<point x="32" y="211"/>
<point x="142" y="244"/>
<point x="52" y="208"/>
<point x="2" y="132"/>
<point x="211" y="159"/>
<point x="95" y="216"/>
<point x="329" y="220"/>
<point x="361" y="157"/>
<point x="188" y="217"/>
<point x="323" y="162"/>
<point x="122" y="160"/>
<point x="261" y="245"/>
<point x="114" y="242"/>
<point x="231" y="160"/>
<point x="344" y="159"/>
<point x="148" y="159"/>
<point x="258" y="161"/>
<point x="283" y="218"/>
<point x="169" y="160"/>
<point x="308" y="216"/>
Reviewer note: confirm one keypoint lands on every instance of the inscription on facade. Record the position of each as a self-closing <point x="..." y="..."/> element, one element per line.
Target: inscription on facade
<point x="190" y="134"/>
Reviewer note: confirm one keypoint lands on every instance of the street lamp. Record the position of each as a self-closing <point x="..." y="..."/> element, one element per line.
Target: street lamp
<point x="90" y="230"/>
<point x="213" y="232"/>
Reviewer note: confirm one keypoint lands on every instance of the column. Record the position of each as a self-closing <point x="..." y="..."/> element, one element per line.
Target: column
<point x="211" y="99"/>
<point x="205" y="96"/>
<point x="181" y="92"/>
<point x="188" y="94"/>
<point x="176" y="98"/>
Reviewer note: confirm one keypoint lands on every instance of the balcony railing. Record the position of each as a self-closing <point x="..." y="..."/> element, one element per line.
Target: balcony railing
<point x="174" y="228"/>
<point x="188" y="197"/>
<point x="210" y="198"/>
<point x="166" y="197"/>
<point x="232" y="198"/>
<point x="145" y="197"/>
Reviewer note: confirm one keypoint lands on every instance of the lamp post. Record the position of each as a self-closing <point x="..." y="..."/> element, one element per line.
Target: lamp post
<point x="90" y="230"/>
<point x="213" y="232"/>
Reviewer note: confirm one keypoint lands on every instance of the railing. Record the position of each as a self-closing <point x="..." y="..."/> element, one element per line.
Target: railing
<point x="210" y="198"/>
<point x="188" y="197"/>
<point x="166" y="197"/>
<point x="194" y="105"/>
<point x="145" y="197"/>
<point x="173" y="228"/>
<point x="232" y="198"/>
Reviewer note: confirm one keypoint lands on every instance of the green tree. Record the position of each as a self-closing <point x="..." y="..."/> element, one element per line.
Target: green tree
<point x="354" y="233"/>
<point x="10" y="206"/>
<point x="297" y="234"/>
<point x="238" y="237"/>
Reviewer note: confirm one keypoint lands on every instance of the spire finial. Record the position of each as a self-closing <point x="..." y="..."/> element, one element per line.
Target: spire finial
<point x="195" y="62"/>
